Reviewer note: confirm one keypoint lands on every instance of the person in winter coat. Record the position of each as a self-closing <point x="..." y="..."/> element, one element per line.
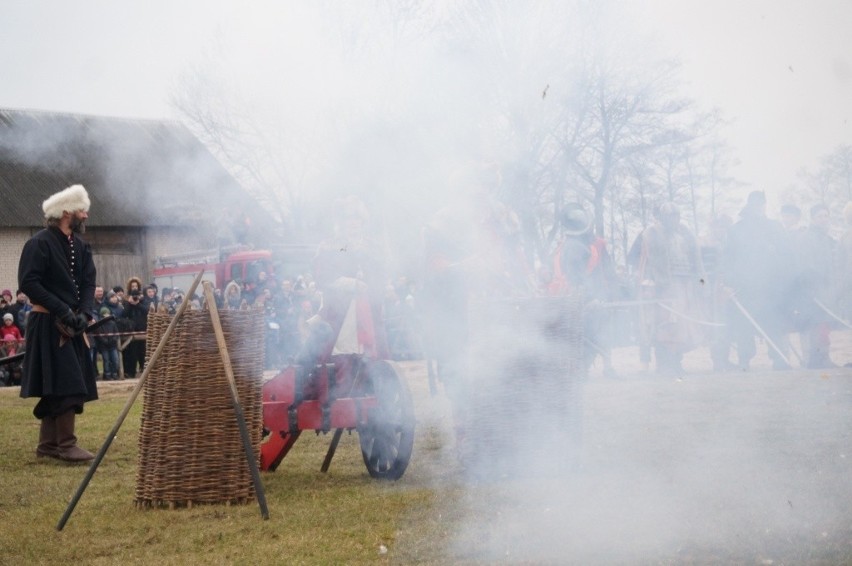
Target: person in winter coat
<point x="816" y="283"/>
<point x="9" y="329"/>
<point x="756" y="274"/>
<point x="136" y="312"/>
<point x="106" y="338"/>
<point x="57" y="272"/>
<point x="5" y="301"/>
<point x="20" y="309"/>
<point x="11" y="343"/>
<point x="233" y="296"/>
<point x="670" y="265"/>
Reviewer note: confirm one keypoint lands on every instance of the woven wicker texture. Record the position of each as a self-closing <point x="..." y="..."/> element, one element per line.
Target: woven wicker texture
<point x="526" y="376"/>
<point x="190" y="449"/>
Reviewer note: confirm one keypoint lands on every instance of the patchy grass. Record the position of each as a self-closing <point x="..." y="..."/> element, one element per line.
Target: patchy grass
<point x="341" y="517"/>
<point x="663" y="481"/>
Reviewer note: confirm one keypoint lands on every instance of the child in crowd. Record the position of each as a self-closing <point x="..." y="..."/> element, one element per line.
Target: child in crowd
<point x="10" y="344"/>
<point x="107" y="343"/>
<point x="10" y="329"/>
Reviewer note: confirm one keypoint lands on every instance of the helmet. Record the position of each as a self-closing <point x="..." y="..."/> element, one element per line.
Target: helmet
<point x="575" y="219"/>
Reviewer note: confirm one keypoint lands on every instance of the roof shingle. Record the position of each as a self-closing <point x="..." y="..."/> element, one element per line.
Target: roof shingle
<point x="137" y="172"/>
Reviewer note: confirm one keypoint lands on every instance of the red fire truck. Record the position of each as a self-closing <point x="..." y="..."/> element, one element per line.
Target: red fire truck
<point x="220" y="267"/>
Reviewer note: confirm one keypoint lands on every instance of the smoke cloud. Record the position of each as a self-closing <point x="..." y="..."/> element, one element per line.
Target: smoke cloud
<point x="480" y="122"/>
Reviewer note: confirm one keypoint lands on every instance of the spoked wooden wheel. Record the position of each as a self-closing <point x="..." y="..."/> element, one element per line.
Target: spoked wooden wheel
<point x="388" y="436"/>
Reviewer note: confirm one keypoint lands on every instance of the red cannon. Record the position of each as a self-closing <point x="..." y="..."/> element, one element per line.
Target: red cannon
<point x="341" y="380"/>
<point x="341" y="392"/>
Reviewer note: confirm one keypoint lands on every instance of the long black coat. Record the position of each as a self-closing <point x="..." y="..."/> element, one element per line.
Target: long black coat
<point x="756" y="262"/>
<point x="58" y="279"/>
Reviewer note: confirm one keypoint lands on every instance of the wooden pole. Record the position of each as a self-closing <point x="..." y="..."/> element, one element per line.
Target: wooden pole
<point x="332" y="448"/>
<point x="121" y="348"/>
<point x="760" y="330"/>
<point x="127" y="406"/>
<point x="235" y="399"/>
<point x="831" y="314"/>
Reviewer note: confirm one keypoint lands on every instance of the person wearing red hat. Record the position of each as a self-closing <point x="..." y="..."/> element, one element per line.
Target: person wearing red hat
<point x="57" y="272"/>
<point x="5" y="302"/>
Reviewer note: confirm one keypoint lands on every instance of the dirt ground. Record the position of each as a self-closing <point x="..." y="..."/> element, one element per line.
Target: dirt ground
<point x="739" y="467"/>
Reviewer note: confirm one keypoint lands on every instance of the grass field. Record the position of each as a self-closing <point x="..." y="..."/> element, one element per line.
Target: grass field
<point x="736" y="468"/>
<point x="340" y="517"/>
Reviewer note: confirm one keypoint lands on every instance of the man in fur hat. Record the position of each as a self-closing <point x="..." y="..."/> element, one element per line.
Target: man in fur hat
<point x="57" y="273"/>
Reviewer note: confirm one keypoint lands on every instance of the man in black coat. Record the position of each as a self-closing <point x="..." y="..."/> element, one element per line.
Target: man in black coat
<point x="756" y="273"/>
<point x="57" y="273"/>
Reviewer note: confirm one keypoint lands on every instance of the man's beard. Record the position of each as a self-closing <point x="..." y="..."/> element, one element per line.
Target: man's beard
<point x="78" y="225"/>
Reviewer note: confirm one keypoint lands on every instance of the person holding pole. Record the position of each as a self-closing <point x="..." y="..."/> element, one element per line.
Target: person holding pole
<point x="755" y="275"/>
<point x="57" y="273"/>
<point x="844" y="266"/>
<point x="670" y="265"/>
<point x="817" y="287"/>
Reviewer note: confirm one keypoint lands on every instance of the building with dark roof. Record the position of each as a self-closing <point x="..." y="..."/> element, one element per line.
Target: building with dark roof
<point x="155" y="190"/>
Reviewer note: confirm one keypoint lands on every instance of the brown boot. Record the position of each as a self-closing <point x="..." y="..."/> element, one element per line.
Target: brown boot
<point x="47" y="445"/>
<point x="68" y="449"/>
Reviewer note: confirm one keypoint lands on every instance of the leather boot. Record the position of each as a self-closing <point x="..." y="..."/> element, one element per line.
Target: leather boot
<point x="68" y="449"/>
<point x="47" y="445"/>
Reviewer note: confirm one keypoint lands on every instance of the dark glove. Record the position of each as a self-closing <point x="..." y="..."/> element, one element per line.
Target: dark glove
<point x="69" y="319"/>
<point x="74" y="322"/>
<point x="67" y="324"/>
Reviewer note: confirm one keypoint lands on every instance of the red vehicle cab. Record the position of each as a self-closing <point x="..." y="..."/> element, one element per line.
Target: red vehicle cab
<point x="220" y="267"/>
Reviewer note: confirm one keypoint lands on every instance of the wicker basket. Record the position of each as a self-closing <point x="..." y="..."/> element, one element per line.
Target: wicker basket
<point x="190" y="450"/>
<point x="526" y="377"/>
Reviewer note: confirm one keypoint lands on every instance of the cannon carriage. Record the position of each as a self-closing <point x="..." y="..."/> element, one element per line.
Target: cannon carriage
<point x="344" y="392"/>
<point x="523" y="395"/>
<point x="326" y="390"/>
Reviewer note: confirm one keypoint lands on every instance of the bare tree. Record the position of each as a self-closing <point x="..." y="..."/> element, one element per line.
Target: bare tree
<point x="553" y="92"/>
<point x="625" y="112"/>
<point x="260" y="157"/>
<point x="718" y="160"/>
<point x="830" y="183"/>
<point x="838" y="170"/>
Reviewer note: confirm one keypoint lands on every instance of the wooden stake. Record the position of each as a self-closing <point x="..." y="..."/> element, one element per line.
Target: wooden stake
<point x="235" y="398"/>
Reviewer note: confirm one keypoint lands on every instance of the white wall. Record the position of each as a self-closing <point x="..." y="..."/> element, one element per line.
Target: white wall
<point x="12" y="241"/>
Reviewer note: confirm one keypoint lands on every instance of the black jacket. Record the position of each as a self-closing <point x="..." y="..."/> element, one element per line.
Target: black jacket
<point x="46" y="277"/>
<point x="57" y="276"/>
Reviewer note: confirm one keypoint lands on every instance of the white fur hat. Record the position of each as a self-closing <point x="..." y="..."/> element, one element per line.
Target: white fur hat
<point x="72" y="199"/>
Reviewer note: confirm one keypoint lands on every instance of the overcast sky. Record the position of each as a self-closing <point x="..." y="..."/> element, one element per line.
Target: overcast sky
<point x="781" y="70"/>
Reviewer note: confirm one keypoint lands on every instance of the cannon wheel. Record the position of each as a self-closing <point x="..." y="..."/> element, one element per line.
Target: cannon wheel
<point x="388" y="436"/>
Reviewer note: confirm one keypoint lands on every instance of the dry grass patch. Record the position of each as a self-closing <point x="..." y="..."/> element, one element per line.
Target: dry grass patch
<point x="341" y="517"/>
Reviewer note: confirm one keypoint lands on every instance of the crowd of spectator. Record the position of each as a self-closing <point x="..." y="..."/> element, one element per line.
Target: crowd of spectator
<point x="816" y="267"/>
<point x="286" y="305"/>
<point x="14" y="313"/>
